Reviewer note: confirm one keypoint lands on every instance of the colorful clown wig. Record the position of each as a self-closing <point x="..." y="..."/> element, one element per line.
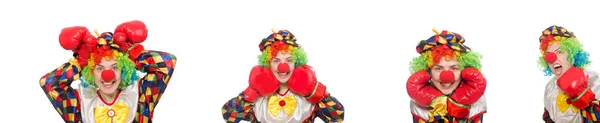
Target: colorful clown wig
<point x="282" y="41"/>
<point x="107" y="50"/>
<point x="446" y="45"/>
<point x="567" y="43"/>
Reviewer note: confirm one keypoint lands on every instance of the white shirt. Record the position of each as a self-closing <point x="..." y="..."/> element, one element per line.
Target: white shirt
<point x="90" y="99"/>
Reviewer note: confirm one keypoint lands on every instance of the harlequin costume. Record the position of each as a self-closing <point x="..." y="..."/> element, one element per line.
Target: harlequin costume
<point x="572" y="97"/>
<point x="467" y="102"/>
<point x="134" y="102"/>
<point x="305" y="100"/>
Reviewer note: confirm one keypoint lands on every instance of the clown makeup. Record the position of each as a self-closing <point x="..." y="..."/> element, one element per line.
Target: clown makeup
<point x="446" y="75"/>
<point x="560" y="64"/>
<point x="107" y="77"/>
<point x="282" y="66"/>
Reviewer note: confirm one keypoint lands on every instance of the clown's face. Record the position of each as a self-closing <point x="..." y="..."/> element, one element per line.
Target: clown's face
<point x="107" y="76"/>
<point x="561" y="64"/>
<point x="446" y="75"/>
<point x="282" y="66"/>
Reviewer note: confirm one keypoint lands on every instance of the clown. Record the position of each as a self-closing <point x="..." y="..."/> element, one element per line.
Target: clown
<point x="570" y="95"/>
<point x="283" y="88"/>
<point x="107" y="65"/>
<point x="446" y="84"/>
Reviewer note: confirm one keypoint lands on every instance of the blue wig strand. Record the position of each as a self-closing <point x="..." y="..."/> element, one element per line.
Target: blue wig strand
<point x="134" y="78"/>
<point x="83" y="84"/>
<point x="547" y="71"/>
<point x="581" y="58"/>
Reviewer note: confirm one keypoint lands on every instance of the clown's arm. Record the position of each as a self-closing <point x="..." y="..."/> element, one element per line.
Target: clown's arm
<point x="158" y="67"/>
<point x="57" y="86"/>
<point x="592" y="111"/>
<point x="238" y="109"/>
<point x="330" y="110"/>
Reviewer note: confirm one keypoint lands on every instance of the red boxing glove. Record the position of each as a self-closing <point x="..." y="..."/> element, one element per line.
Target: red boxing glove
<point x="456" y="110"/>
<point x="574" y="83"/>
<point x="420" y="90"/>
<point x="70" y="38"/>
<point x="135" y="52"/>
<point x="80" y="40"/>
<point x="131" y="31"/>
<point x="304" y="82"/>
<point x="262" y="82"/>
<point x="128" y="34"/>
<point x="472" y="88"/>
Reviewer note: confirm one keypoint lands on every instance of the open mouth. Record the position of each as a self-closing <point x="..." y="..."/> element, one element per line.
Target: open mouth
<point x="283" y="74"/>
<point x="557" y="68"/>
<point x="446" y="84"/>
<point x="108" y="84"/>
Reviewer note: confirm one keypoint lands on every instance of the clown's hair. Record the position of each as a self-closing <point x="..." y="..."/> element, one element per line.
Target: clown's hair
<point x="429" y="58"/>
<point x="124" y="64"/>
<point x="297" y="52"/>
<point x="577" y="56"/>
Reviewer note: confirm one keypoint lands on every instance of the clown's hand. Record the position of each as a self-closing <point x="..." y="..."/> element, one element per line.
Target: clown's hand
<point x="80" y="41"/>
<point x="574" y="83"/>
<point x="420" y="90"/>
<point x="304" y="82"/>
<point x="472" y="87"/>
<point x="262" y="82"/>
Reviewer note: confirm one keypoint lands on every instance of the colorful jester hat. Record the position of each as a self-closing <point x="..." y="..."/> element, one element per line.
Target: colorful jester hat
<point x="445" y="39"/>
<point x="551" y="34"/>
<point x="122" y="45"/>
<point x="281" y="41"/>
<point x="567" y="42"/>
<point x="278" y="39"/>
<point x="446" y="45"/>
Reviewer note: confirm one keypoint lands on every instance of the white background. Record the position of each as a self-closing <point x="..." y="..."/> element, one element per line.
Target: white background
<point x="360" y="50"/>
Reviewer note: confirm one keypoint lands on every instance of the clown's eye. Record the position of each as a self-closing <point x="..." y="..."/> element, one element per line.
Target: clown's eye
<point x="559" y="52"/>
<point x="455" y="68"/>
<point x="276" y="60"/>
<point x="437" y="68"/>
<point x="115" y="68"/>
<point x="99" y="68"/>
<point x="289" y="61"/>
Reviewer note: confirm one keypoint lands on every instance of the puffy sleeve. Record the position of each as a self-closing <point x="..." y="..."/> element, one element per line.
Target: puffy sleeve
<point x="57" y="87"/>
<point x="159" y="67"/>
<point x="237" y="109"/>
<point x="330" y="110"/>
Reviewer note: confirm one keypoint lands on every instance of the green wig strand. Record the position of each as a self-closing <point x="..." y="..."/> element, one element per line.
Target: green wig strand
<point x="298" y="56"/>
<point x="465" y="60"/>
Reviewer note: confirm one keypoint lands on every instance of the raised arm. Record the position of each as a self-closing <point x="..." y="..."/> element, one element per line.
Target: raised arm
<point x="158" y="67"/>
<point x="57" y="86"/>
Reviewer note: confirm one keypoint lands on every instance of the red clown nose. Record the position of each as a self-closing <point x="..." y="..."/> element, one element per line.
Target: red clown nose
<point x="447" y="76"/>
<point x="108" y="75"/>
<point x="550" y="57"/>
<point x="283" y="67"/>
